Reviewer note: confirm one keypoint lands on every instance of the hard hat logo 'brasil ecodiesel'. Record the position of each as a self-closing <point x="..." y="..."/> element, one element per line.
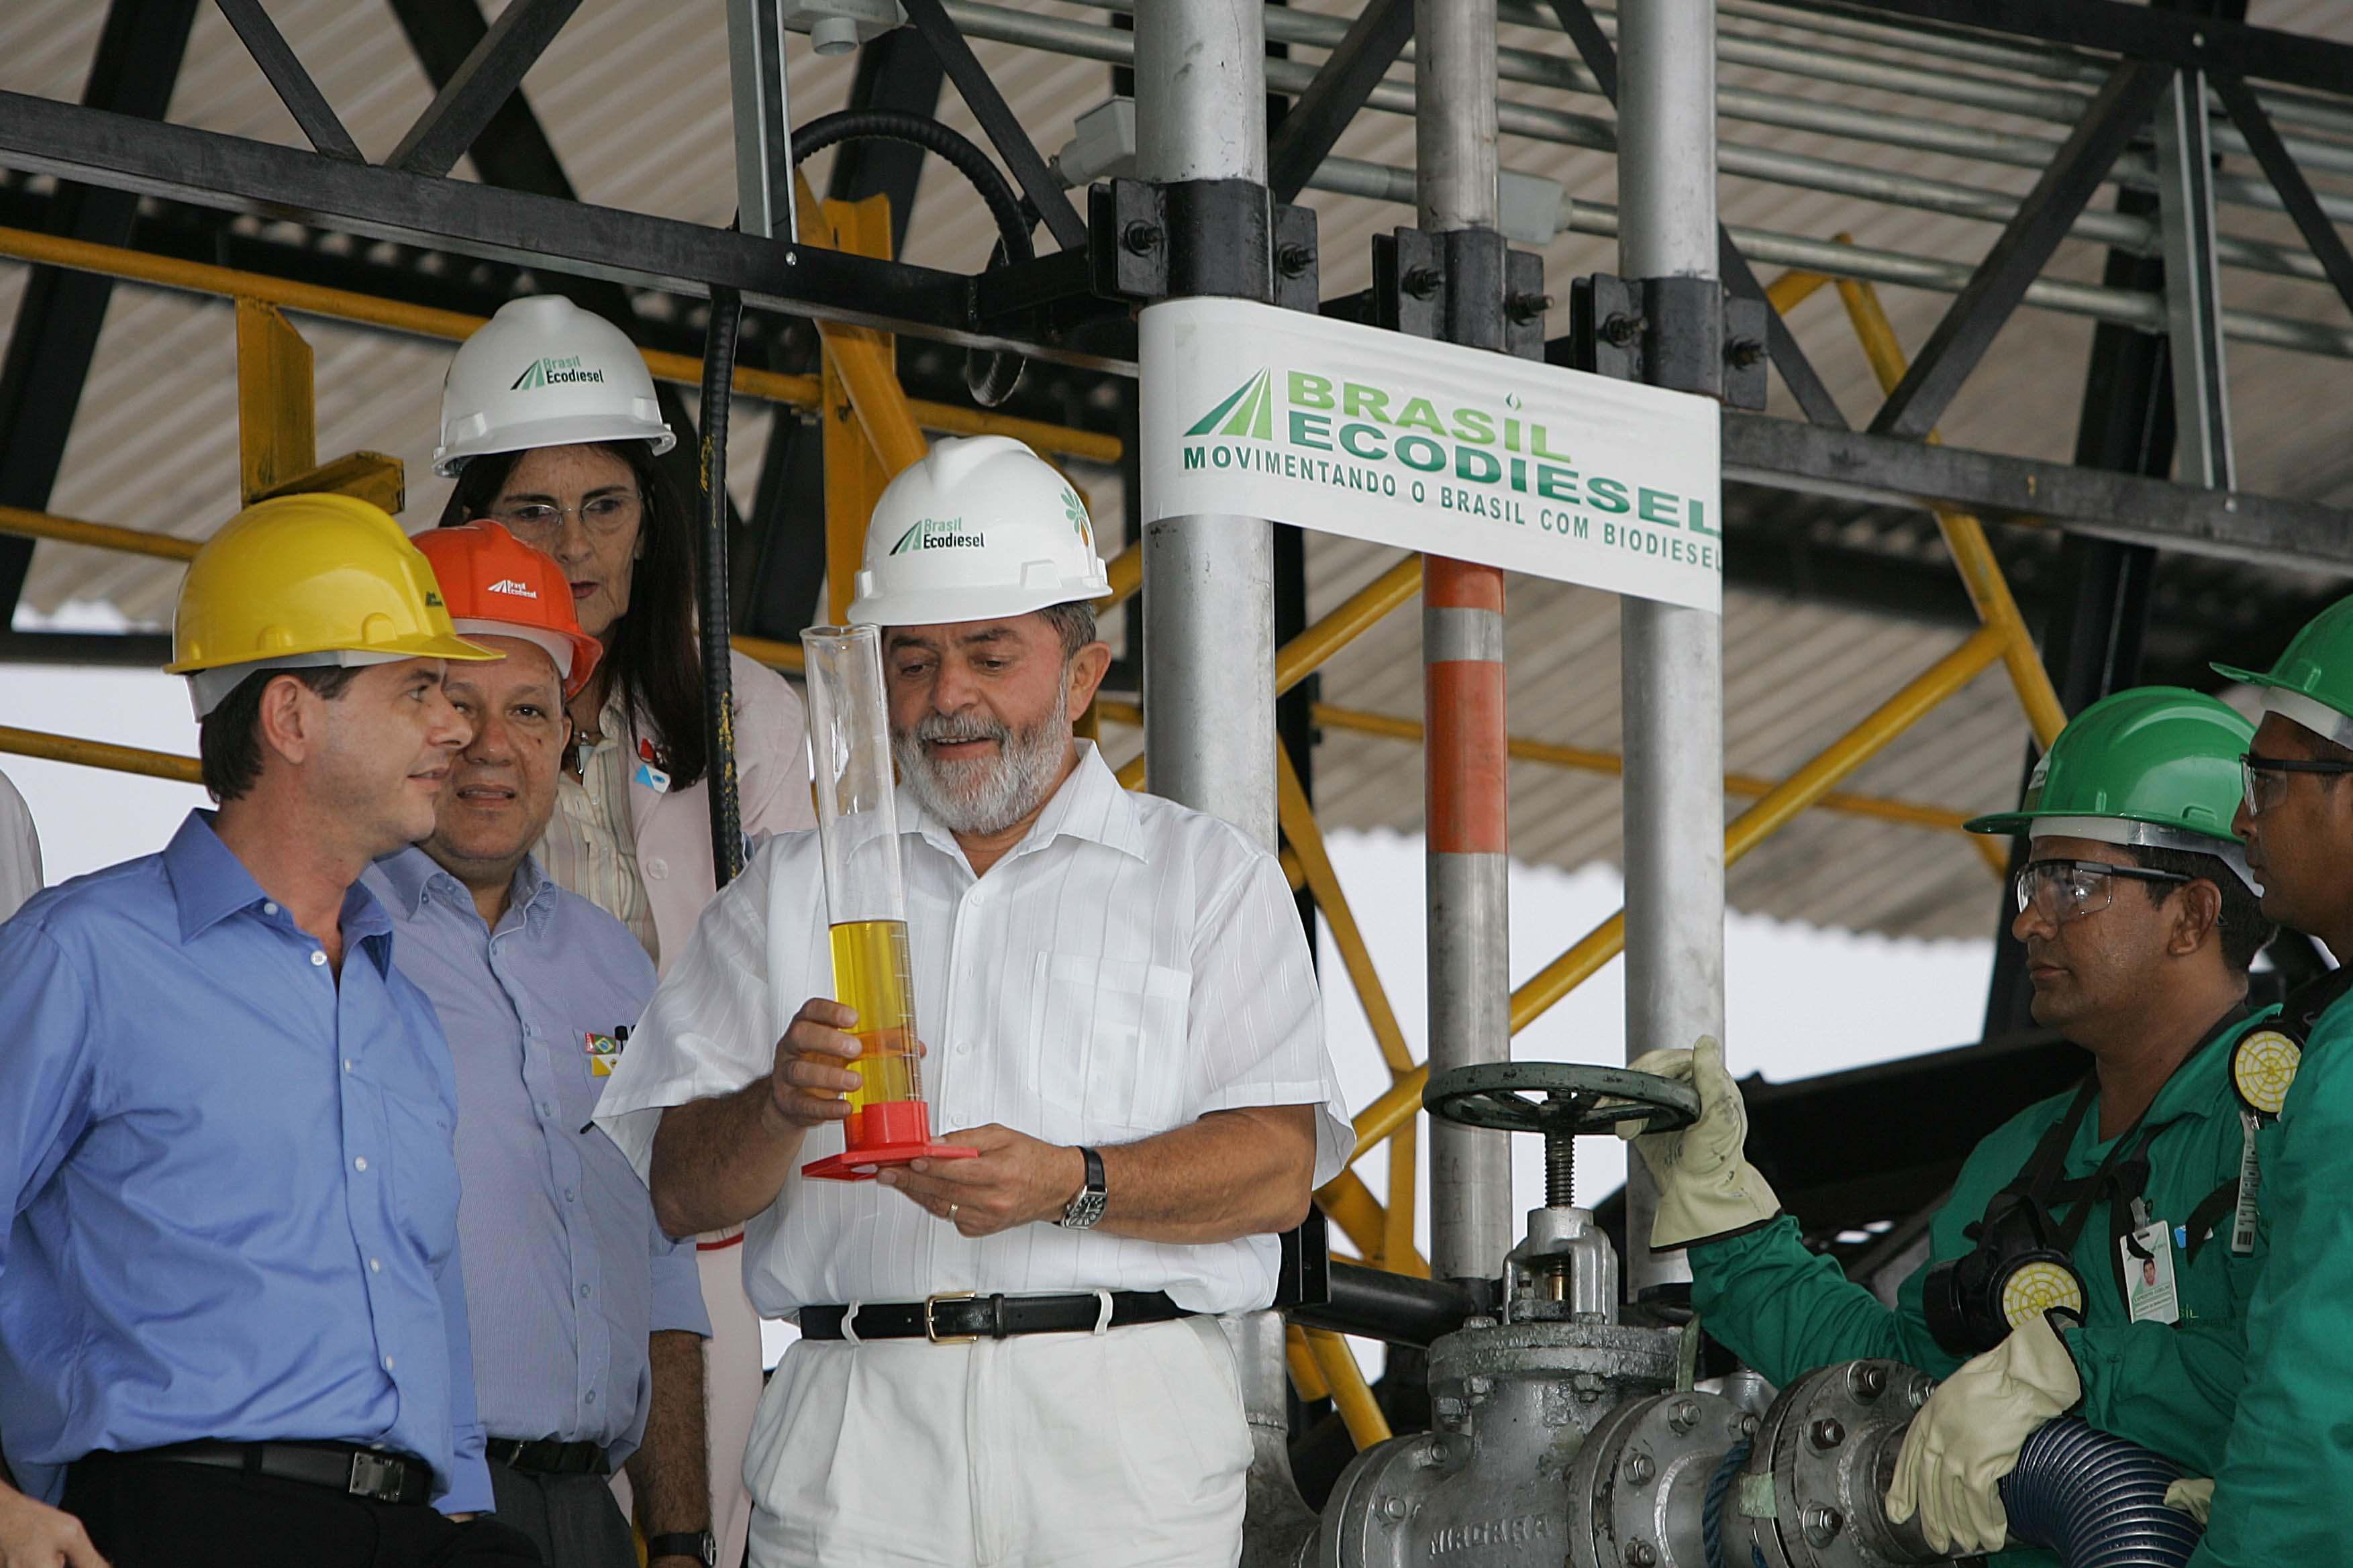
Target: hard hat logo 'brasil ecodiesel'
<point x="1466" y="458"/>
<point x="938" y="533"/>
<point x="547" y="372"/>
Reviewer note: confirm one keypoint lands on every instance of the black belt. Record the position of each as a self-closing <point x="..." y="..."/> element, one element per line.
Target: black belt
<point x="960" y="1317"/>
<point x="546" y="1456"/>
<point x="339" y="1467"/>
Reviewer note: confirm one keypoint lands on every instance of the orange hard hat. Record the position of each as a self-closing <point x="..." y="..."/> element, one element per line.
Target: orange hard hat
<point x="497" y="585"/>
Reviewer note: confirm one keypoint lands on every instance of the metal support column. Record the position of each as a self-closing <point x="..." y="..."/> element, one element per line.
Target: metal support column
<point x="1671" y="658"/>
<point x="1208" y="612"/>
<point x="1466" y="814"/>
<point x="2193" y="305"/>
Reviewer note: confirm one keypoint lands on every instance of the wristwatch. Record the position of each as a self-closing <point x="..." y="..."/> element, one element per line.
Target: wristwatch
<point x="1082" y="1211"/>
<point x="700" y="1546"/>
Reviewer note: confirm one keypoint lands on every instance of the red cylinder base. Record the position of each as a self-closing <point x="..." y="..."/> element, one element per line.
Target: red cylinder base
<point x="889" y="1132"/>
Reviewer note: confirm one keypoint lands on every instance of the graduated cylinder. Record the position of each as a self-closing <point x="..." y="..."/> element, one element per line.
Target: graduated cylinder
<point x="865" y="902"/>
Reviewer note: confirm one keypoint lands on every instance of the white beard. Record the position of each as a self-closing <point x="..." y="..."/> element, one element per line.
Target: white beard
<point x="985" y="796"/>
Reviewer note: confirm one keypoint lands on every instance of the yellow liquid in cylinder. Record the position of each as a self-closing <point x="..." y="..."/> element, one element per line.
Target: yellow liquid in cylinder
<point x="871" y="972"/>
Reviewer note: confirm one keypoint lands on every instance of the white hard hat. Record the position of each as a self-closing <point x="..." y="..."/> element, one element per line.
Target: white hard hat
<point x="545" y="372"/>
<point x="980" y="528"/>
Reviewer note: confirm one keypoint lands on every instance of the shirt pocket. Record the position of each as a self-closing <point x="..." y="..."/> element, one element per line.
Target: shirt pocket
<point x="422" y="1191"/>
<point x="1110" y="1040"/>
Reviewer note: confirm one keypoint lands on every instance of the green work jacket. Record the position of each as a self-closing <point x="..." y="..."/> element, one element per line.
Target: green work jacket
<point x="2282" y="1491"/>
<point x="2170" y="1387"/>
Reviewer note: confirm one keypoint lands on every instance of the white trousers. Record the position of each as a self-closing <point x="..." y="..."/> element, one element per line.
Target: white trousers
<point x="1126" y="1448"/>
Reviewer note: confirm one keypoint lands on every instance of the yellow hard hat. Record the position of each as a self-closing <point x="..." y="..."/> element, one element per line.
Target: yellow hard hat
<point x="307" y="580"/>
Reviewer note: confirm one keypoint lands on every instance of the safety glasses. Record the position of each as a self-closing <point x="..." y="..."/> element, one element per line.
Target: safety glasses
<point x="2264" y="779"/>
<point x="2062" y="890"/>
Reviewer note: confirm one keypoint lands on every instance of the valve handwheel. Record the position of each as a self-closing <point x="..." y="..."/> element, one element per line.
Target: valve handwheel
<point x="1559" y="1100"/>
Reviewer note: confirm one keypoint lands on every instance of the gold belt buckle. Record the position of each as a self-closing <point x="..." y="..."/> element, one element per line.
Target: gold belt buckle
<point x="931" y="1327"/>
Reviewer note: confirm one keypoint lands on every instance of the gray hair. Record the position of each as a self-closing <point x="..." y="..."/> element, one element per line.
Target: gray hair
<point x="1075" y="621"/>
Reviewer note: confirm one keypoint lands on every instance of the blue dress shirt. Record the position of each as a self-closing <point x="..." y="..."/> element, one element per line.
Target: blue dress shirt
<point x="232" y="1179"/>
<point x="561" y="1296"/>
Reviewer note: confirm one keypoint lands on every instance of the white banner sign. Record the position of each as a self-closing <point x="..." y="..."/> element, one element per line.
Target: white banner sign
<point x="1459" y="452"/>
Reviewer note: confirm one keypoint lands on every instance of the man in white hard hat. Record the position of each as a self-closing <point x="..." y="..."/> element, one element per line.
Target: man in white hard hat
<point x="1012" y="1358"/>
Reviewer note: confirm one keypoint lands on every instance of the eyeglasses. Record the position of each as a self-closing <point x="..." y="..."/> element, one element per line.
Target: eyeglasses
<point x="2264" y="779"/>
<point x="2062" y="890"/>
<point x="534" y="523"/>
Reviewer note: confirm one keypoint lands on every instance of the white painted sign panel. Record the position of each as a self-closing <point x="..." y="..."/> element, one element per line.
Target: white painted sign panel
<point x="1459" y="452"/>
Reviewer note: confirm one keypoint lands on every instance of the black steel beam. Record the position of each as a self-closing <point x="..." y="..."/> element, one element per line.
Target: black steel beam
<point x="1786" y="455"/>
<point x="2140" y="32"/>
<point x="124" y="650"/>
<point x="2294" y="193"/>
<point x="997" y="118"/>
<point x="1347" y="78"/>
<point x="132" y="74"/>
<point x="472" y="96"/>
<point x="1797" y="373"/>
<point x="295" y="89"/>
<point x="2115" y="115"/>
<point x="545" y="234"/>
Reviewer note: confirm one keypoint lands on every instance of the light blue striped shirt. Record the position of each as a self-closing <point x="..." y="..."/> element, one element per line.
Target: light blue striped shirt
<point x="572" y="1272"/>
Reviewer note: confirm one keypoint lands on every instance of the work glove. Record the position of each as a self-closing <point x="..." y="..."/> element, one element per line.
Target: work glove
<point x="1967" y="1435"/>
<point x="1706" y="1187"/>
<point x="2192" y="1496"/>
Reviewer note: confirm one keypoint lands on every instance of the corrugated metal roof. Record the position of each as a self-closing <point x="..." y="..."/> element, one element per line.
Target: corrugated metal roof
<point x="633" y="95"/>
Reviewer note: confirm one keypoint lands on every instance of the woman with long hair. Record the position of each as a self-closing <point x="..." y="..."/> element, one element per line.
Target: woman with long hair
<point x="550" y="424"/>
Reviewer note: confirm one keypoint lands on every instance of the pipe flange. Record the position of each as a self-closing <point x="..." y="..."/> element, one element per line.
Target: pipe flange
<point x="1643" y="1474"/>
<point x="1813" y="1492"/>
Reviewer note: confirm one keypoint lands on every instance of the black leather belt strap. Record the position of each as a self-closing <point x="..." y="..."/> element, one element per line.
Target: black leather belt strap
<point x="961" y="1317"/>
<point x="339" y="1467"/>
<point x="546" y="1456"/>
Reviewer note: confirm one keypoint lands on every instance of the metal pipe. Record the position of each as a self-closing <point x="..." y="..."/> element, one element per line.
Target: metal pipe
<point x="1466" y="814"/>
<point x="100" y="754"/>
<point x="1359" y="1412"/>
<point x="710" y="581"/>
<point x="98" y="535"/>
<point x="1210" y="616"/>
<point x="1879" y="808"/>
<point x="1671" y="658"/>
<point x="1379" y="1304"/>
<point x="454" y="326"/>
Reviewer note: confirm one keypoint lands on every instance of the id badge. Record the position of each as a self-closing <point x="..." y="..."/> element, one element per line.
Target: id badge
<point x="2250" y="1188"/>
<point x="2150" y="1294"/>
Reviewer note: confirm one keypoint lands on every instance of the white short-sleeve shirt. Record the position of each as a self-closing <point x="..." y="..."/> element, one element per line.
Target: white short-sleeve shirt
<point x="1130" y="966"/>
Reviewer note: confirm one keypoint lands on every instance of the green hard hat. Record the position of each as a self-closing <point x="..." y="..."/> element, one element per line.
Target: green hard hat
<point x="2156" y="767"/>
<point x="2313" y="681"/>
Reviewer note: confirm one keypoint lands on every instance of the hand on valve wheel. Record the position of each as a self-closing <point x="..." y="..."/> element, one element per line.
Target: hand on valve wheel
<point x="1706" y="1189"/>
<point x="1968" y="1435"/>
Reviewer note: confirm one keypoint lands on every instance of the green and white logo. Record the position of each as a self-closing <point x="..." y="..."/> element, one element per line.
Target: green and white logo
<point x="554" y="372"/>
<point x="1251" y="408"/>
<point x="1076" y="511"/>
<point x="937" y="534"/>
